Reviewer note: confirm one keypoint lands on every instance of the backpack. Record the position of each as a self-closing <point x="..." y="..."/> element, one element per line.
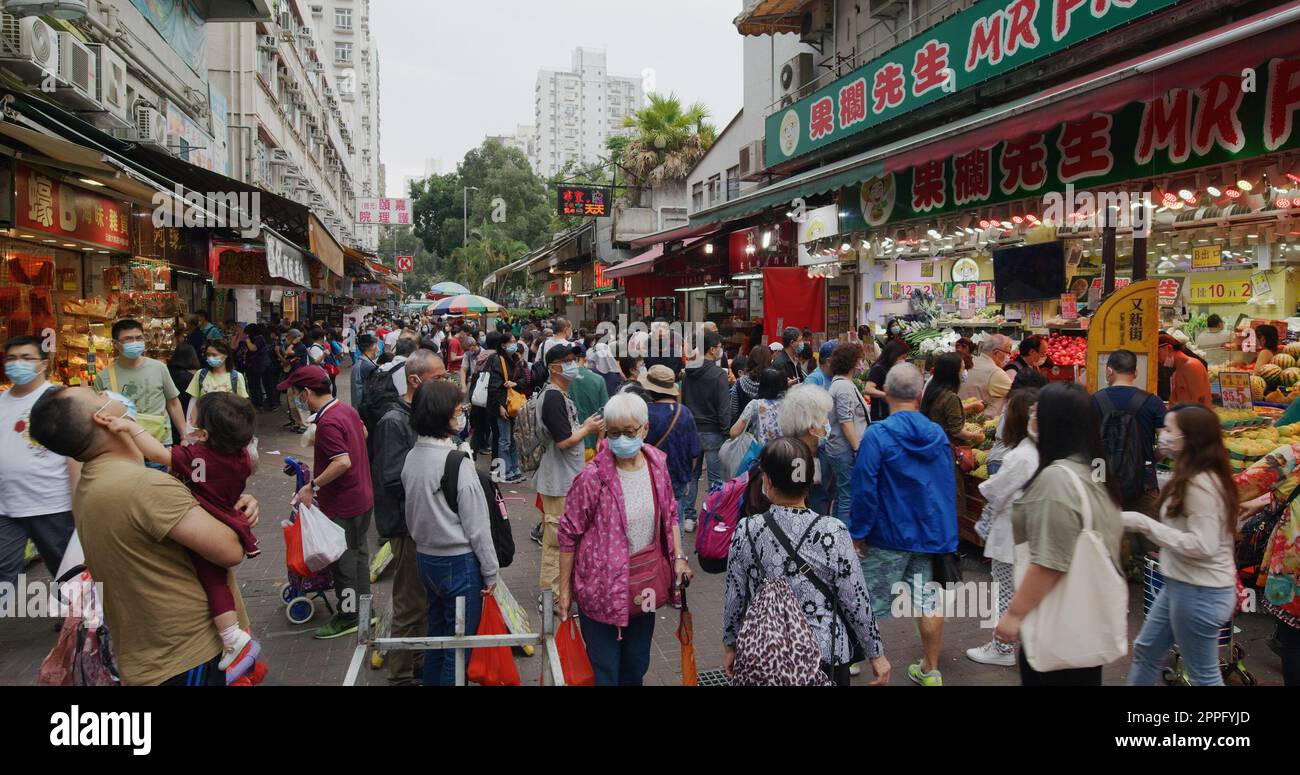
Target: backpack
<point x="1121" y="441"/>
<point x="530" y="434"/>
<point x="539" y="374"/>
<point x="775" y="645"/>
<point x="502" y="538"/>
<point x="718" y="520"/>
<point x="378" y="395"/>
<point x="234" y="379"/>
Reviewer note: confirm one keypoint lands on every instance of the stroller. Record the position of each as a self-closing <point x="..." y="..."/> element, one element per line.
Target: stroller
<point x="299" y="592"/>
<point x="1231" y="654"/>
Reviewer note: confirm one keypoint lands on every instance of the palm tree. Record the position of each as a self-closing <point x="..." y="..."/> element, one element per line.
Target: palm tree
<point x="668" y="141"/>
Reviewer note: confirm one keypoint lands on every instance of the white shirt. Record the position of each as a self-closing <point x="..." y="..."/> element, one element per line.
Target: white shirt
<point x="638" y="500"/>
<point x="33" y="480"/>
<point x="390" y="341"/>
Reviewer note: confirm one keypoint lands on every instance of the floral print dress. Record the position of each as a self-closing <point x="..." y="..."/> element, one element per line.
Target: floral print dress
<point x="1278" y="472"/>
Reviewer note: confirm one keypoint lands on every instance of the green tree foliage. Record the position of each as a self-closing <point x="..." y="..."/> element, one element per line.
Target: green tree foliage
<point x="667" y="142"/>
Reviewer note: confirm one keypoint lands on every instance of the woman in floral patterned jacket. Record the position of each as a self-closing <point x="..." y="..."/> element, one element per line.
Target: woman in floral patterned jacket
<point x="621" y="506"/>
<point x="1278" y="473"/>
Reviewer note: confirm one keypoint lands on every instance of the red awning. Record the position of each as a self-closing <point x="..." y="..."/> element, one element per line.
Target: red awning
<point x="681" y="233"/>
<point x="636" y="265"/>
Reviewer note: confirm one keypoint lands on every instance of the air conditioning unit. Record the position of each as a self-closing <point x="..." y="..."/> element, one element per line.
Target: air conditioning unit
<point x="796" y="76"/>
<point x="280" y="156"/>
<point x="77" y="66"/>
<point x="29" y="46"/>
<point x="328" y="91"/>
<point x="150" y="127"/>
<point x="293" y="88"/>
<point x="751" y="159"/>
<point x="317" y="67"/>
<point x="110" y="80"/>
<point x="886" y="9"/>
<point x="817" y="22"/>
<point x="268" y="42"/>
<point x="304" y="32"/>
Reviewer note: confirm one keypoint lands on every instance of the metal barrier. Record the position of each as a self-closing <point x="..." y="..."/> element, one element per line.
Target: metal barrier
<point x="552" y="674"/>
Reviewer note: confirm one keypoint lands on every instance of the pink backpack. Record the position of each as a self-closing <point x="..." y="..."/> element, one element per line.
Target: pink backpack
<point x="718" y="520"/>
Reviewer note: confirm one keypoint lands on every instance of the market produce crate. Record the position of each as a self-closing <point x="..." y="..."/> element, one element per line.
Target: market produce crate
<point x="1062" y="373"/>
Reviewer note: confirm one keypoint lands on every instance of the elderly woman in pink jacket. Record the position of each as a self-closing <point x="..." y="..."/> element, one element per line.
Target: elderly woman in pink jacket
<point x="620" y="546"/>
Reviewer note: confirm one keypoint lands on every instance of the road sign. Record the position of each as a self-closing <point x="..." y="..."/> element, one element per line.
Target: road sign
<point x="405" y="264"/>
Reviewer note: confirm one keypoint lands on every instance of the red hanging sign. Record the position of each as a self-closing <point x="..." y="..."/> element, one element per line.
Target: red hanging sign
<point x="52" y="207"/>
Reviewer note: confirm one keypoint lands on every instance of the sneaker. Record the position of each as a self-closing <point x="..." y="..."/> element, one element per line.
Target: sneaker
<point x="238" y="658"/>
<point x="990" y="654"/>
<point x="336" y="628"/>
<point x="536" y="535"/>
<point x="690" y="526"/>
<point x="855" y="668"/>
<point x="932" y="678"/>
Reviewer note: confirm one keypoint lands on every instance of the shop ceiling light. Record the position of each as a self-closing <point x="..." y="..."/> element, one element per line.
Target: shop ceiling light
<point x="749" y="276"/>
<point x="934" y="234"/>
<point x="1245" y="185"/>
<point x="708" y="248"/>
<point x="90" y="182"/>
<point x="1283" y="203"/>
<point x="1169" y="199"/>
<point x="1017" y="219"/>
<point x="1186" y="195"/>
<point x="1294" y="177"/>
<point x="1006" y="224"/>
<point x="984" y="223"/>
<point x="1232" y="193"/>
<point x="767" y="239"/>
<point x="1213" y="191"/>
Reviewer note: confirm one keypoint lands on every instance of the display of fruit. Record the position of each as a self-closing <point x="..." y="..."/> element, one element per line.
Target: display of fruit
<point x="982" y="472"/>
<point x="1290" y="376"/>
<point x="1270" y="373"/>
<point x="1292" y="349"/>
<point x="1283" y="361"/>
<point x="1261" y="433"/>
<point x="1257" y="387"/>
<point x="1067" y="350"/>
<point x="1249" y="449"/>
<point x="981" y="456"/>
<point x="1275" y="397"/>
<point x="1238" y="418"/>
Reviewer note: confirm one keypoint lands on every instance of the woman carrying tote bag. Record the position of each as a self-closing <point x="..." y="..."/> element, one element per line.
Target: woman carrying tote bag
<point x="1071" y="603"/>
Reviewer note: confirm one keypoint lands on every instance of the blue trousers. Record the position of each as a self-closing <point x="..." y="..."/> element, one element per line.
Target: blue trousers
<point x="620" y="656"/>
<point x="445" y="579"/>
<point x="1192" y="617"/>
<point x="710" y="443"/>
<point x="841" y="504"/>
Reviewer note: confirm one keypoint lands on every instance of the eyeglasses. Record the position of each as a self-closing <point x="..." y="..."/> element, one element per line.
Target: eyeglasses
<point x="632" y="434"/>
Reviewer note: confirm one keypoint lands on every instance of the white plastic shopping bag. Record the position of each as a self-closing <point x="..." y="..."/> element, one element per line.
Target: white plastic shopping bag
<point x="323" y="542"/>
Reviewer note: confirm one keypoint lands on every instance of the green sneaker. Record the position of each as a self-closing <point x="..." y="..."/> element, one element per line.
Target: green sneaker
<point x="932" y="678"/>
<point x="340" y="626"/>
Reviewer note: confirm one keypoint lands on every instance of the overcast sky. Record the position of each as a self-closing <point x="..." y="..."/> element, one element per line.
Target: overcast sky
<point x="455" y="71"/>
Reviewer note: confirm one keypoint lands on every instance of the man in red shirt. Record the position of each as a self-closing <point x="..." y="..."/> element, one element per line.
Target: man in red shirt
<point x="1190" y="383"/>
<point x="341" y="489"/>
<point x="456" y="355"/>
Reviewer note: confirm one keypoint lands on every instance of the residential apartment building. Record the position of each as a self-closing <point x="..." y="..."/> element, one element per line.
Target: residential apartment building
<point x="524" y="138"/>
<point x="291" y="131"/>
<point x="353" y="60"/>
<point x="577" y="109"/>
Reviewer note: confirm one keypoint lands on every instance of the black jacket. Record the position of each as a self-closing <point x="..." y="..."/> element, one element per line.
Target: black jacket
<point x="707" y="394"/>
<point x="393" y="438"/>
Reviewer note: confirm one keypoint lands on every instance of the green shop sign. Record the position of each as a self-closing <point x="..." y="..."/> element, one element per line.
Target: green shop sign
<point x="1183" y="129"/>
<point x="988" y="39"/>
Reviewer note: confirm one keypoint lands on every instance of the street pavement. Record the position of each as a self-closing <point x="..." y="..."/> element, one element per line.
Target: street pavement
<point x="295" y="658"/>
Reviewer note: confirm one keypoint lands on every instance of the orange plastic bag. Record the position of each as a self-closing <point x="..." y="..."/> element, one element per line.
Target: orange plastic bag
<point x="494" y="666"/>
<point x="573" y="655"/>
<point x="293" y="548"/>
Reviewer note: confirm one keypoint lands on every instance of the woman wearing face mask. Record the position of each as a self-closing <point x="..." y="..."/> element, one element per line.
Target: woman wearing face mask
<point x="893" y="353"/>
<point x="805" y="415"/>
<point x="216" y="376"/>
<point x="455" y="555"/>
<point x="1196" y="529"/>
<point x="893" y="330"/>
<point x="618" y="538"/>
<point x="516" y="376"/>
<point x="942" y="406"/>
<point x="1020" y="434"/>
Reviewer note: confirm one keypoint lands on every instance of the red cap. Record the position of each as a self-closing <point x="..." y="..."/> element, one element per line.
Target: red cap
<point x="306" y="377"/>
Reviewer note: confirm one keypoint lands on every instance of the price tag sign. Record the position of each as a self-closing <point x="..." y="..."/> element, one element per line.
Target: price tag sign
<point x="1207" y="257"/>
<point x="1069" y="306"/>
<point x="1036" y="314"/>
<point x="981" y="296"/>
<point x="1221" y="291"/>
<point x="1234" y="388"/>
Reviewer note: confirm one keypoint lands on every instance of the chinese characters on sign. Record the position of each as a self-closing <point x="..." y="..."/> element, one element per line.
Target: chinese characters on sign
<point x="1234" y="387"/>
<point x="384" y="212"/>
<point x="583" y="201"/>
<point x="53" y="207"/>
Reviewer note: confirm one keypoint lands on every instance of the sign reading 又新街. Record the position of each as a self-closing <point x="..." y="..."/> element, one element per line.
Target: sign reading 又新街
<point x="1207" y="257"/>
<point x="1128" y="319"/>
<point x="1220" y="121"/>
<point x="988" y="39"/>
<point x="584" y="201"/>
<point x="385" y="212"/>
<point x="53" y="207"/>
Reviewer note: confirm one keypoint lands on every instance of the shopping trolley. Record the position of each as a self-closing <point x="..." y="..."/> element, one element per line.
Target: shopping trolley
<point x="1231" y="654"/>
<point x="299" y="592"/>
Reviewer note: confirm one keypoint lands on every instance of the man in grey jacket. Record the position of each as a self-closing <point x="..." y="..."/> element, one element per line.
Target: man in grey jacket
<point x="706" y="391"/>
<point x="393" y="438"/>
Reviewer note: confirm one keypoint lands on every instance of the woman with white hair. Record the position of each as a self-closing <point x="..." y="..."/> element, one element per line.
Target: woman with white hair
<point x="620" y="546"/>
<point x="805" y="415"/>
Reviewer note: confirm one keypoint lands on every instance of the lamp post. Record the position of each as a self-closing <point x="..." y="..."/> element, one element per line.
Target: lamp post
<point x="464" y="240"/>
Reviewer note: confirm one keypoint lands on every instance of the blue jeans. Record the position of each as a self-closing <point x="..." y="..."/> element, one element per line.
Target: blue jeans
<point x="710" y="443"/>
<point x="681" y="491"/>
<point x="1192" y="617"/>
<point x="619" y="656"/>
<point x="509" y="455"/>
<point x="842" y="500"/>
<point x="445" y="579"/>
<point x="821" y="494"/>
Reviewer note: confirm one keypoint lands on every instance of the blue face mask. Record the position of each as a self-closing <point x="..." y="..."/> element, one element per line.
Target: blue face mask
<point x="20" y="372"/>
<point x="571" y="370"/>
<point x="123" y="400"/>
<point x="512" y="348"/>
<point x="215" y="361"/>
<point x="303" y="410"/>
<point x="133" y="350"/>
<point x="624" y="447"/>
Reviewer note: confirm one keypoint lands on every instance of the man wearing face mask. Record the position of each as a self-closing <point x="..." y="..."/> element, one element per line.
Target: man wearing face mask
<point x="35" y="484"/>
<point x="146" y="382"/>
<point x="341" y="489"/>
<point x="987" y="380"/>
<point x="1190" y="383"/>
<point x="787" y="360"/>
<point x="562" y="459"/>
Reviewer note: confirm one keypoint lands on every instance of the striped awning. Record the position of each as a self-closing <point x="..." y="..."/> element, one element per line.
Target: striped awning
<point x="768" y="17"/>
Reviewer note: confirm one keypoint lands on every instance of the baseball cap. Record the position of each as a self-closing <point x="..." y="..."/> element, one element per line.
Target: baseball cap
<point x="295" y="333"/>
<point x="306" y="377"/>
<point x="825" y="352"/>
<point x="558" y="352"/>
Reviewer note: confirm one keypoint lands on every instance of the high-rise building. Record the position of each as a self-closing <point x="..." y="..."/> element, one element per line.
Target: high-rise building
<point x="524" y="138"/>
<point x="576" y="110"/>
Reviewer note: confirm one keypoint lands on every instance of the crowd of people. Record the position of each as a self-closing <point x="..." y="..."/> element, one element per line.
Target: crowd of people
<point x="848" y="457"/>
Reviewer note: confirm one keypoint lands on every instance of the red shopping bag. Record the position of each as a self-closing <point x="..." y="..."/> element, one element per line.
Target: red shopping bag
<point x="573" y="655"/>
<point x="494" y="666"/>
<point x="293" y="548"/>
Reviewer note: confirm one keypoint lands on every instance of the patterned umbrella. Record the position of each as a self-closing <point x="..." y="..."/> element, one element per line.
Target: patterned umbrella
<point x="465" y="304"/>
<point x="448" y="289"/>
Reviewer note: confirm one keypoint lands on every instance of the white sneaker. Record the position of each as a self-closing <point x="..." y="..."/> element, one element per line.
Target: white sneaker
<point x="690" y="526"/>
<point x="855" y="668"/>
<point x="988" y="654"/>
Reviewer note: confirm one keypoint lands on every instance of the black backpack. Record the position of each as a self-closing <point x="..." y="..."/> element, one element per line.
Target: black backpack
<point x="379" y="394"/>
<point x="502" y="538"/>
<point x="1121" y="442"/>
